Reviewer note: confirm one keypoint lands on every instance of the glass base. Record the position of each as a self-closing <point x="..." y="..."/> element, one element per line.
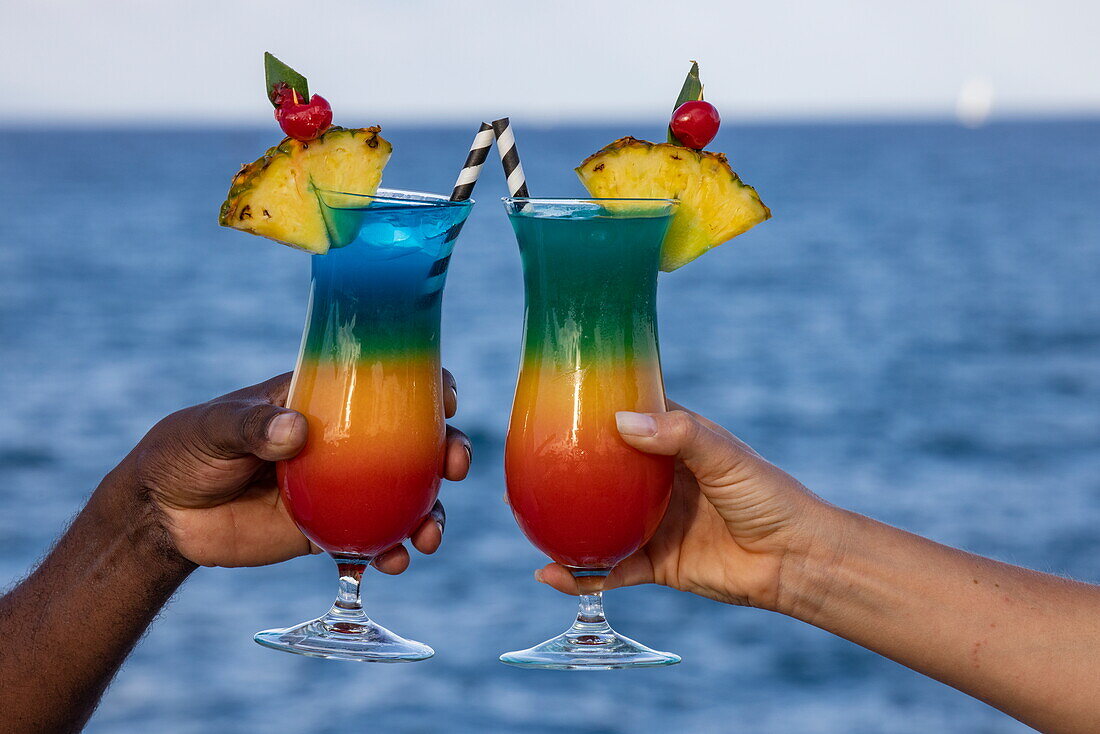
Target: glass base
<point x="589" y="647"/>
<point x="341" y="639"/>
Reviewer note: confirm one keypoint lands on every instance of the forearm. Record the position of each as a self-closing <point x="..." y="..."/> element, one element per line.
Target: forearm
<point x="1025" y="642"/>
<point x="68" y="627"/>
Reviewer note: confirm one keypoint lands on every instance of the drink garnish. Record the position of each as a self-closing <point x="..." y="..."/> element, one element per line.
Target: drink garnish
<point x="300" y="116"/>
<point x="691" y="91"/>
<point x="715" y="204"/>
<point x="281" y="79"/>
<point x="275" y="195"/>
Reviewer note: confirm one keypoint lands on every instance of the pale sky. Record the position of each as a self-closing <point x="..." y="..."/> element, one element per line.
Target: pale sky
<point x="199" y="61"/>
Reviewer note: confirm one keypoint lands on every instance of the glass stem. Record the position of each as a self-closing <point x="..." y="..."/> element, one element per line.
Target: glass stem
<point x="591" y="609"/>
<point x="591" y="626"/>
<point x="348" y="607"/>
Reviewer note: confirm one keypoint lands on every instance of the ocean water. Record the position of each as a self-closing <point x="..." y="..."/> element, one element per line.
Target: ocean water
<point x="915" y="335"/>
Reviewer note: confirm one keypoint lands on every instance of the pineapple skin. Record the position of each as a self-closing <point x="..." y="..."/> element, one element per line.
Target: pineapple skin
<point x="715" y="204"/>
<point x="274" y="197"/>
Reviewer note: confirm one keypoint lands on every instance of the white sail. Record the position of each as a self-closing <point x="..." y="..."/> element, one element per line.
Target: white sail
<point x="975" y="102"/>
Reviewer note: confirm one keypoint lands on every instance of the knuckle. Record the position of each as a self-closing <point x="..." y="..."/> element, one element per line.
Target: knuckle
<point x="232" y="425"/>
<point x="252" y="422"/>
<point x="211" y="414"/>
<point x="274" y="390"/>
<point x="172" y="424"/>
<point x="185" y="427"/>
<point x="683" y="424"/>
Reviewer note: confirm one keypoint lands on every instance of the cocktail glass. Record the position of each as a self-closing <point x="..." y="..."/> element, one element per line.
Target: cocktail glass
<point x="578" y="491"/>
<point x="369" y="383"/>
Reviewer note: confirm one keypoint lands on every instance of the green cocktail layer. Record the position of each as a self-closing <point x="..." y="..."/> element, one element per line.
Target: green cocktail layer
<point x="591" y="285"/>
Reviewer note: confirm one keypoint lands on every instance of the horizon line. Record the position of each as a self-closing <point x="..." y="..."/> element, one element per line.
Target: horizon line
<point x="544" y="122"/>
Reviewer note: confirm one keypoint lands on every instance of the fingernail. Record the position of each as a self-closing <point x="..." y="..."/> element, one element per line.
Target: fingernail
<point x="538" y="576"/>
<point x="280" y="428"/>
<point x="469" y="453"/>
<point x="635" y="424"/>
<point x="440" y="526"/>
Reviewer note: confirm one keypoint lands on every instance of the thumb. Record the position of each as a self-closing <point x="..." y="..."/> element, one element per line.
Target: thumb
<point x="233" y="428"/>
<point x="713" y="458"/>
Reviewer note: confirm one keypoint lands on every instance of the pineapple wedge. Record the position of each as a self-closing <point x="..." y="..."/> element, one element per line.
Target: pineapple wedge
<point x="715" y="205"/>
<point x="275" y="197"/>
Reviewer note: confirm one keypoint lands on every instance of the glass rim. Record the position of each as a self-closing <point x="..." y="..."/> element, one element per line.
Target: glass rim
<point x="583" y="200"/>
<point x="397" y="197"/>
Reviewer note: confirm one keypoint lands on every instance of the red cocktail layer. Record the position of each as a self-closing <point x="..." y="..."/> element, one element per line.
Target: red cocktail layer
<point x="578" y="491"/>
<point x="371" y="469"/>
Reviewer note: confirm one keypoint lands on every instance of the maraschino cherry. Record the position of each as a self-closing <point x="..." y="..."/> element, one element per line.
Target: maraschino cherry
<point x="695" y="123"/>
<point x="302" y="121"/>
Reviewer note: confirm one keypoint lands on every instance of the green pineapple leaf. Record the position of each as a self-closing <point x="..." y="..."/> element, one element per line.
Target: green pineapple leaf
<point x="692" y="90"/>
<point x="277" y="72"/>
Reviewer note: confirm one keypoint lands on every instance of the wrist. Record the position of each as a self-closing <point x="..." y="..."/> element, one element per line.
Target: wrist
<point x="122" y="507"/>
<point x="810" y="571"/>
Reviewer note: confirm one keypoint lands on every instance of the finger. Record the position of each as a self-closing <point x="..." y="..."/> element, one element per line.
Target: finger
<point x="274" y="390"/>
<point x="393" y="561"/>
<point x="429" y="535"/>
<point x="712" y="458"/>
<point x="459" y="454"/>
<point x="632" y="571"/>
<point x="557" y="577"/>
<point x="720" y="430"/>
<point x="450" y="394"/>
<point x="232" y="428"/>
<point x="673" y="405"/>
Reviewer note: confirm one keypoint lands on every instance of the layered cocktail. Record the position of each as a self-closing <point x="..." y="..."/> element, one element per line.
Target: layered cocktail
<point x="368" y="378"/>
<point x="369" y="383"/>
<point x="578" y="491"/>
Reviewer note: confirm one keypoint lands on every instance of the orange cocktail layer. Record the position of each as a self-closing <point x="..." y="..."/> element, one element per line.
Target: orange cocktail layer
<point x="371" y="468"/>
<point x="579" y="492"/>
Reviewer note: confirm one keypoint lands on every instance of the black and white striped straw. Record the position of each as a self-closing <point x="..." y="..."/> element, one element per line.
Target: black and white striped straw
<point x="509" y="158"/>
<point x="479" y="151"/>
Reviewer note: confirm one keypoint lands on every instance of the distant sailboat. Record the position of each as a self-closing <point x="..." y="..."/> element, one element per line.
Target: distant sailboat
<point x="975" y="102"/>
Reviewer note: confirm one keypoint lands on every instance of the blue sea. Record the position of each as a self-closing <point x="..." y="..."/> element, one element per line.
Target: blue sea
<point x="915" y="335"/>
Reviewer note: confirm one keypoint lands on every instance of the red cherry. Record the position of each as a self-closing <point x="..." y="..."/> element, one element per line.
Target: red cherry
<point x="304" y="121"/>
<point x="282" y="94"/>
<point x="695" y="123"/>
